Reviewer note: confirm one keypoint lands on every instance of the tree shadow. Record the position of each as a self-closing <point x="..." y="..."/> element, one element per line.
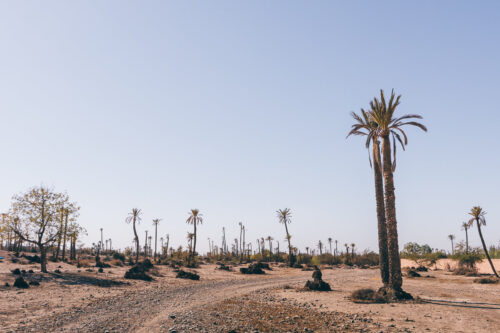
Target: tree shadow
<point x="78" y="279"/>
<point x="472" y="305"/>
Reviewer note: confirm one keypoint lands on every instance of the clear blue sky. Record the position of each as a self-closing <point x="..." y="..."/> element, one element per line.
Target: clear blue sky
<point x="240" y="108"/>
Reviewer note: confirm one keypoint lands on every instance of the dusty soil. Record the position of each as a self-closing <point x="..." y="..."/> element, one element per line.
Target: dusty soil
<point x="79" y="301"/>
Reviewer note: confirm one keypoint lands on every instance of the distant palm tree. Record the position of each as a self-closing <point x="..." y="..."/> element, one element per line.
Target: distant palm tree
<point x="320" y="246"/>
<point x="452" y="237"/>
<point x="190" y="237"/>
<point x="346" y="250"/>
<point x="162" y="248"/>
<point x="270" y="240"/>
<point x="365" y="126"/>
<point x="168" y="240"/>
<point x="465" y="226"/>
<point x="240" y="249"/>
<point x="284" y="216"/>
<point x="155" y="223"/>
<point x="336" y="249"/>
<point x="194" y="218"/>
<point x="352" y="250"/>
<point x="382" y="113"/>
<point x="135" y="217"/>
<point x="307" y="250"/>
<point x="477" y="214"/>
<point x="330" y="242"/>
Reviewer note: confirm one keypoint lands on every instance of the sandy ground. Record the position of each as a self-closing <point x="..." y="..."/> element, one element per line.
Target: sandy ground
<point x="81" y="301"/>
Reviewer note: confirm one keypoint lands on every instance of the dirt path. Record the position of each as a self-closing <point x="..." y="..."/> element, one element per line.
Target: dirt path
<point x="150" y="309"/>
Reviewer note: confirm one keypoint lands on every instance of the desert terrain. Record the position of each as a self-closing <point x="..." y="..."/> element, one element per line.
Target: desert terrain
<point x="83" y="300"/>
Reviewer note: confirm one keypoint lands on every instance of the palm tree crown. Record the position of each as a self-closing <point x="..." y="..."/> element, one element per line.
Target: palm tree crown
<point x="284" y="215"/>
<point x="383" y="115"/>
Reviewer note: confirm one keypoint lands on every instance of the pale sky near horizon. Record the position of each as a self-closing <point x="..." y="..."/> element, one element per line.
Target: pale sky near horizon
<point x="240" y="108"/>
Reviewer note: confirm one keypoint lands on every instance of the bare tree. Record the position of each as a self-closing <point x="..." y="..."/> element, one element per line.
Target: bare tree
<point x="34" y="214"/>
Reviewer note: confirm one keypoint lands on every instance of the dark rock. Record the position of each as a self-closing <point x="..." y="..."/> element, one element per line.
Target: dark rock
<point x="16" y="271"/>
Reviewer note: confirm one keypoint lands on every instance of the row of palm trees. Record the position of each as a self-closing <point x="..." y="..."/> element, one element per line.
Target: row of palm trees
<point x="379" y="123"/>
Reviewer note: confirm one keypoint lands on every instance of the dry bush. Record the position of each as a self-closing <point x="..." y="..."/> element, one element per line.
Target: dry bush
<point x="85" y="263"/>
<point x="138" y="272"/>
<point x="367" y="295"/>
<point x="252" y="269"/>
<point x="187" y="275"/>
<point x="487" y="280"/>
<point x="20" y="283"/>
<point x="116" y="262"/>
<point x="465" y="270"/>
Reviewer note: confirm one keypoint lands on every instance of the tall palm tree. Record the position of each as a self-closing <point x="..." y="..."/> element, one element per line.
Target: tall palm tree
<point x="389" y="126"/>
<point x="320" y="247"/>
<point x="240" y="249"/>
<point x="465" y="226"/>
<point x="284" y="216"/>
<point x="336" y="249"/>
<point x="352" y="250"/>
<point x="270" y="240"/>
<point x="330" y="242"/>
<point x="477" y="214"/>
<point x="365" y="126"/>
<point x="346" y="250"/>
<point x="307" y="250"/>
<point x="194" y="218"/>
<point x="452" y="237"/>
<point x="135" y="217"/>
<point x="155" y="223"/>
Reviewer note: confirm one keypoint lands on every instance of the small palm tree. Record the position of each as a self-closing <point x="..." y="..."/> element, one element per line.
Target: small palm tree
<point x="330" y="242"/>
<point x="451" y="238"/>
<point x="190" y="237"/>
<point x="477" y="214"/>
<point x="307" y="250"/>
<point x="194" y="218"/>
<point x="284" y="216"/>
<point x="382" y="113"/>
<point x="155" y="223"/>
<point x="465" y="226"/>
<point x="352" y="250"/>
<point x="320" y="247"/>
<point x="270" y="240"/>
<point x="135" y="217"/>
<point x="346" y="249"/>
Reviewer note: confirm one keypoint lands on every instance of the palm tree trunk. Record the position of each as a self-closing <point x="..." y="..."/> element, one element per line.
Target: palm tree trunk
<point x="466" y="241"/>
<point x="136" y="243"/>
<point x="156" y="231"/>
<point x="382" y="225"/>
<point x="289" y="246"/>
<point x="395" y="278"/>
<point x="485" y="249"/>
<point x="194" y="240"/>
<point x="64" y="235"/>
